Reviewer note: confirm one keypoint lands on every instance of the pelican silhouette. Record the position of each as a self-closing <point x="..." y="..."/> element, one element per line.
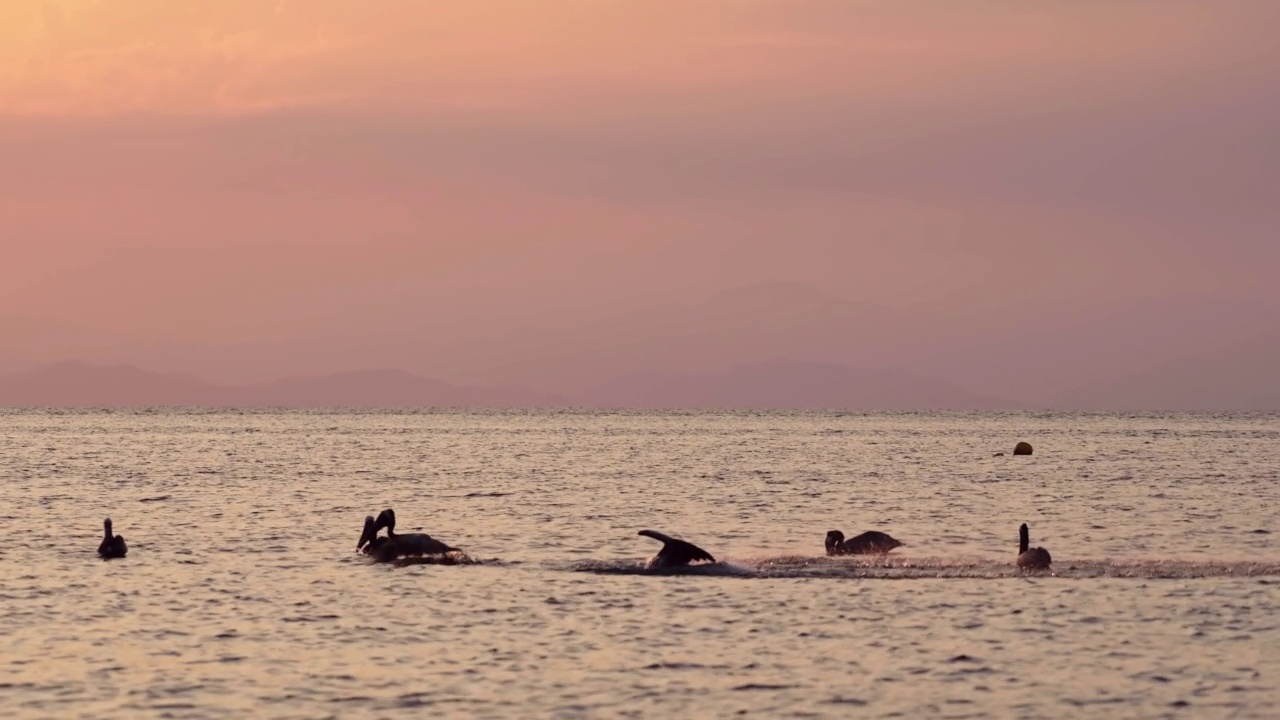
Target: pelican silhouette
<point x="674" y="552"/>
<point x="1036" y="558"/>
<point x="397" y="546"/>
<point x="112" y="546"/>
<point x="872" y="542"/>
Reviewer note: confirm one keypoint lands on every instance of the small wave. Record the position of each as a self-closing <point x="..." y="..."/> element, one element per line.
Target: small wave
<point x="683" y="666"/>
<point x="456" y="557"/>
<point x="763" y="686"/>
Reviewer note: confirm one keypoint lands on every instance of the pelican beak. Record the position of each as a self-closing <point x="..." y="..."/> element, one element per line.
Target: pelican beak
<point x="367" y="535"/>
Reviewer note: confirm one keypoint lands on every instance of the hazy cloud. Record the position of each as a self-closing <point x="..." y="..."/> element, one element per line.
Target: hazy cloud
<point x="540" y="191"/>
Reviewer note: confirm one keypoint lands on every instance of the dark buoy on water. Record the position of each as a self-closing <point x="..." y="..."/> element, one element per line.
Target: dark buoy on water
<point x="1022" y="448"/>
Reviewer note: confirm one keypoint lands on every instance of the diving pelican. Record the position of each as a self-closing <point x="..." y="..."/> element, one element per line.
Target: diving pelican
<point x="674" y="552"/>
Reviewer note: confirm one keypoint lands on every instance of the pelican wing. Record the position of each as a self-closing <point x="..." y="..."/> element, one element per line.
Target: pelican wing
<point x="870" y="542"/>
<point x="113" y="547"/>
<point x="1036" y="558"/>
<point x="414" y="544"/>
<point x="420" y="544"/>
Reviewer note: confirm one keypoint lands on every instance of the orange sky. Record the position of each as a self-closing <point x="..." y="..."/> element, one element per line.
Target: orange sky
<point x="480" y="190"/>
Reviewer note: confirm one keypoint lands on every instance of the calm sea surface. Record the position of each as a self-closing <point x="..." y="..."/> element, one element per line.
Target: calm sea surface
<point x="242" y="595"/>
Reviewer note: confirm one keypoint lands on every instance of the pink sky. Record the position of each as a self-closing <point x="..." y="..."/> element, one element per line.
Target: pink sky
<point x="1033" y="199"/>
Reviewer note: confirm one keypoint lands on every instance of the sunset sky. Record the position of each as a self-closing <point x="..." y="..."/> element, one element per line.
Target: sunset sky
<point x="1046" y="200"/>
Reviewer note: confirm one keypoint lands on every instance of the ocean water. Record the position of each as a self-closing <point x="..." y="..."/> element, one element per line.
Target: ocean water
<point x="242" y="595"/>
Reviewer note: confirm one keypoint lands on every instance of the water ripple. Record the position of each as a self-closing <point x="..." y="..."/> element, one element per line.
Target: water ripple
<point x="242" y="594"/>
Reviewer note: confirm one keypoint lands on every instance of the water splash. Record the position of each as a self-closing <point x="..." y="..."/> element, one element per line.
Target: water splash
<point x="632" y="567"/>
<point x="899" y="568"/>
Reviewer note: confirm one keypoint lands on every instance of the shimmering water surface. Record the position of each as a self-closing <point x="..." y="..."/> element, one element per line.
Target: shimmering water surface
<point x="242" y="596"/>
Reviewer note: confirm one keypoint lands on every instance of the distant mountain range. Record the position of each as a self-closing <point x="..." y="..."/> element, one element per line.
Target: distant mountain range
<point x="75" y="384"/>
<point x="720" y="350"/>
<point x="779" y="384"/>
<point x="785" y="384"/>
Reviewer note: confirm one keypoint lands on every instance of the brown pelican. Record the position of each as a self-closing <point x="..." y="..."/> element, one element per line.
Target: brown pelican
<point x="674" y="552"/>
<point x="112" y="546"/>
<point x="868" y="543"/>
<point x="397" y="546"/>
<point x="1036" y="558"/>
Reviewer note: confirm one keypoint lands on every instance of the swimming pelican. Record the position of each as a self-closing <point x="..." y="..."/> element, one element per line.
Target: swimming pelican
<point x="397" y="546"/>
<point x="674" y="552"/>
<point x="871" y="542"/>
<point x="112" y="546"/>
<point x="1036" y="558"/>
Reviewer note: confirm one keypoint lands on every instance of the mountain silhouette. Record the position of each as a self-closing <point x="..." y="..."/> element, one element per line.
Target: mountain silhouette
<point x="776" y="384"/>
<point x="77" y="384"/>
<point x="786" y="384"/>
